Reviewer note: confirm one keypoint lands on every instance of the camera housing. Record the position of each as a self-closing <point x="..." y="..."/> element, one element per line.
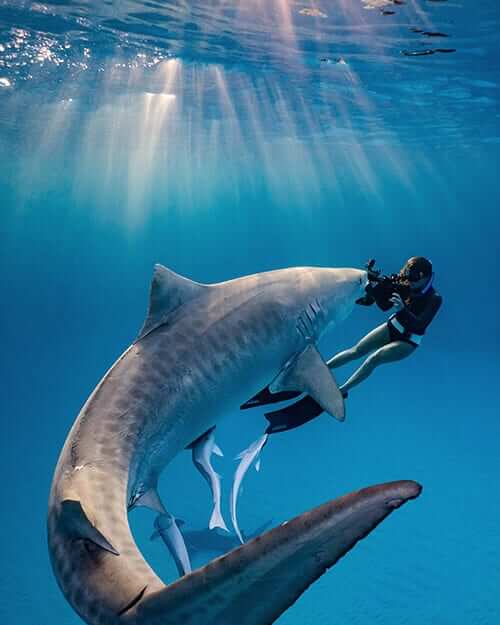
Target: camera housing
<point x="381" y="288"/>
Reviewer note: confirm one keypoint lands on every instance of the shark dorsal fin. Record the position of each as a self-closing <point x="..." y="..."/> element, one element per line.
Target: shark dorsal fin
<point x="168" y="291"/>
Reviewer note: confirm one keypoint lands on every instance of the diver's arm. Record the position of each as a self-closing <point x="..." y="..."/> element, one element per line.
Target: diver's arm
<point x="418" y="323"/>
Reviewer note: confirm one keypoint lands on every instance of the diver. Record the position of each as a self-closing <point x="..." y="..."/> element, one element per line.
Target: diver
<point x="412" y="295"/>
<point x="416" y="303"/>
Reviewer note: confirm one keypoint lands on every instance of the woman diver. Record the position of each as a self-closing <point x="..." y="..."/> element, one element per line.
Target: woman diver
<point x="412" y="295"/>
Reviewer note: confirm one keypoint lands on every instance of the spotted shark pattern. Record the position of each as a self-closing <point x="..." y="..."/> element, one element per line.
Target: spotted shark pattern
<point x="203" y="350"/>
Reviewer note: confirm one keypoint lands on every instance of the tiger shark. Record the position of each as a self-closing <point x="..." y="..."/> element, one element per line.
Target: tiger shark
<point x="203" y="349"/>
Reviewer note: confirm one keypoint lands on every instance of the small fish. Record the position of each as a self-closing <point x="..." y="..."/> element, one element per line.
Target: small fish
<point x="427" y="52"/>
<point x="417" y="52"/>
<point x="246" y="458"/>
<point x="428" y="33"/>
<point x="313" y="13"/>
<point x="337" y="61"/>
<point x="167" y="527"/>
<point x="376" y="4"/>
<point x="202" y="449"/>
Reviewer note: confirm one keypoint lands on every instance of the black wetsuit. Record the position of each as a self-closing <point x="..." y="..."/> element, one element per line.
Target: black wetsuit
<point x="419" y="311"/>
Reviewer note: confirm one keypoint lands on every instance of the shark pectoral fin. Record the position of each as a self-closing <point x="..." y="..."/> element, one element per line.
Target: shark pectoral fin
<point x="168" y="291"/>
<point x="155" y="535"/>
<point x="309" y="372"/>
<point x="77" y="525"/>
<point x="258" y="581"/>
<point x="217" y="451"/>
<point x="150" y="499"/>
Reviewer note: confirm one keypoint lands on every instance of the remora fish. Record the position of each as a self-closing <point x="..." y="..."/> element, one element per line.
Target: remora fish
<point x="202" y="450"/>
<point x="246" y="457"/>
<point x="203" y="350"/>
<point x="166" y="527"/>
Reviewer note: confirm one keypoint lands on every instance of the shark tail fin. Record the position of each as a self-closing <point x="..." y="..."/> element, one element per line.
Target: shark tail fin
<point x="274" y="569"/>
<point x="217" y="520"/>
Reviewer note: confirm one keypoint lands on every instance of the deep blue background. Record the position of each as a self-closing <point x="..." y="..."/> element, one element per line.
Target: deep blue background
<point x="75" y="271"/>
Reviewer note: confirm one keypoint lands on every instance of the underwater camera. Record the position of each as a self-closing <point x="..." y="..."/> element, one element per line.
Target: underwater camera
<point x="380" y="288"/>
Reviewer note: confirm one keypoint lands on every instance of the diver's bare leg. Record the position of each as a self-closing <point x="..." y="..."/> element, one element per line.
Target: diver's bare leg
<point x="373" y="340"/>
<point x="397" y="350"/>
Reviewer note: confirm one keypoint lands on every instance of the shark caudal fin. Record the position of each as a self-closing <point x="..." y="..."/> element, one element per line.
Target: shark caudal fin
<point x="217" y="520"/>
<point x="255" y="583"/>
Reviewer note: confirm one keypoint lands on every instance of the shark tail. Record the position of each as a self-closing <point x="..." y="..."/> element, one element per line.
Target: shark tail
<point x="258" y="581"/>
<point x="217" y="520"/>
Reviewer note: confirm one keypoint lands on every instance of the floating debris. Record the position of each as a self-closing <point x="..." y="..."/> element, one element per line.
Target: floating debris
<point x="313" y="13"/>
<point x="5" y="82"/>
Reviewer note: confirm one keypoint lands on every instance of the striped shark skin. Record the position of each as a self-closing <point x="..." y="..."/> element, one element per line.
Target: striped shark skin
<point x="203" y="350"/>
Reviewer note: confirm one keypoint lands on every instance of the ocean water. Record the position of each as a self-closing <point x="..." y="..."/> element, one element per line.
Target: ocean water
<point x="226" y="138"/>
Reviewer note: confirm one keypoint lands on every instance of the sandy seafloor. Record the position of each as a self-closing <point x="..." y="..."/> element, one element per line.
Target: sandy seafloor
<point x="222" y="140"/>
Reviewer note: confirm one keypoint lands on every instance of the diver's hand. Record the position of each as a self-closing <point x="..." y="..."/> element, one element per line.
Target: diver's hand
<point x="397" y="302"/>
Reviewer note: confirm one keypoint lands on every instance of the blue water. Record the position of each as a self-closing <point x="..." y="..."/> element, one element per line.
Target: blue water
<point x="225" y="139"/>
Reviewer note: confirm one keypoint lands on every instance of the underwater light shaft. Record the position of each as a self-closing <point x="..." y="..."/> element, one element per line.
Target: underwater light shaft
<point x="198" y="132"/>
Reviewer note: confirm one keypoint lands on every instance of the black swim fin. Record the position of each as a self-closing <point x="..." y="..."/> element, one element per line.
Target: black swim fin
<point x="265" y="397"/>
<point x="293" y="416"/>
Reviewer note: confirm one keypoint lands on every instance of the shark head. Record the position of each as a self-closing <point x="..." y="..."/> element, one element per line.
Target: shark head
<point x="339" y="290"/>
<point x="330" y="295"/>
